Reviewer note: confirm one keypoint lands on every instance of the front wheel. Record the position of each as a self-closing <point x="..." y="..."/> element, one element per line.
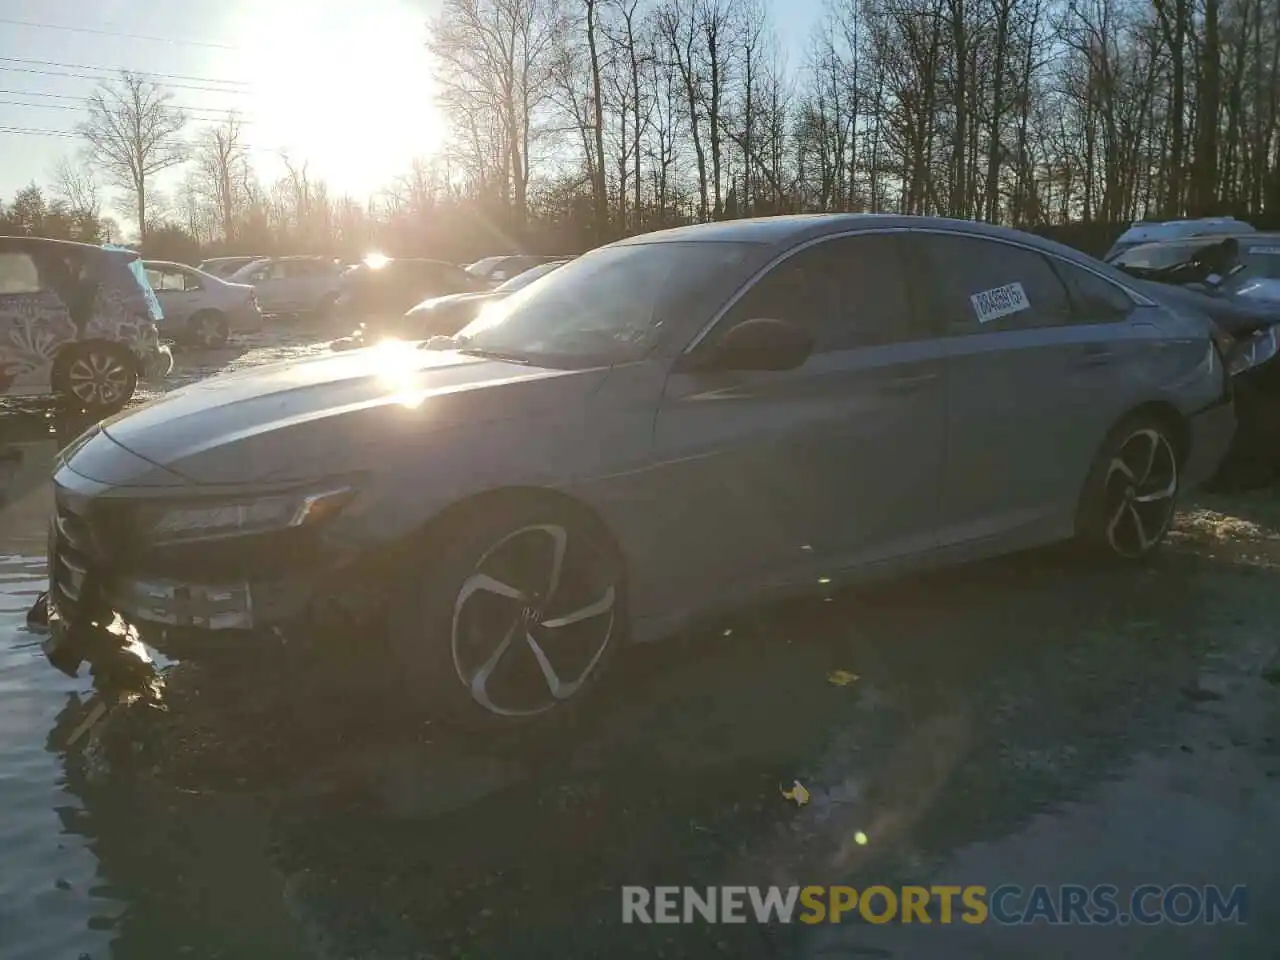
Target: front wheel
<point x="521" y="611"/>
<point x="1131" y="493"/>
<point x="98" y="378"/>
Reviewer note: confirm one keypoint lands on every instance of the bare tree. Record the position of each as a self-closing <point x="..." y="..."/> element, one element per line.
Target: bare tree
<point x="74" y="185"/>
<point x="494" y="61"/>
<point x="133" y="132"/>
<point x="222" y="162"/>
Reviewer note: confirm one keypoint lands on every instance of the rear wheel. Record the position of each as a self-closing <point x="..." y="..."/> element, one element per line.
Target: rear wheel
<point x="1131" y="493"/>
<point x="520" y="612"/>
<point x="208" y="328"/>
<point x="98" y="378"/>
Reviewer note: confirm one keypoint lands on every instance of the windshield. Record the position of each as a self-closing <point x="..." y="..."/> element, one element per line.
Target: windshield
<point x="1254" y="259"/>
<point x="521" y="280"/>
<point x="1156" y="256"/>
<point x="605" y="307"/>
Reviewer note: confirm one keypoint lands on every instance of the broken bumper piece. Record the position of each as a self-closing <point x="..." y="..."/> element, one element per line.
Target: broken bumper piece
<point x="202" y="606"/>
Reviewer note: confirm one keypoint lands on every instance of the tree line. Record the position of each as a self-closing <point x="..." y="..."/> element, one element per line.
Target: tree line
<point x="573" y="122"/>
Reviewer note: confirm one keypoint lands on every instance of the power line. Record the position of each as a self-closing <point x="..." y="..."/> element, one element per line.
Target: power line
<point x="102" y="79"/>
<point x="112" y="71"/>
<point x="187" y="107"/>
<point x="65" y="106"/>
<point x="16" y="131"/>
<point x="115" y="33"/>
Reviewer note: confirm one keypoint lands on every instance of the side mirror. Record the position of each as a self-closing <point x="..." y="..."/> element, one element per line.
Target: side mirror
<point x="759" y="344"/>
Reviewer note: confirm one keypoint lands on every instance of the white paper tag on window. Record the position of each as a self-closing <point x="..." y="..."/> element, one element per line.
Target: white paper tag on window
<point x="999" y="302"/>
<point x="1266" y="251"/>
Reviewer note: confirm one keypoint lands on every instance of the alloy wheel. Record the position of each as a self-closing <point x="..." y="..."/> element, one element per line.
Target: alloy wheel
<point x="532" y="620"/>
<point x="98" y="378"/>
<point x="1141" y="487"/>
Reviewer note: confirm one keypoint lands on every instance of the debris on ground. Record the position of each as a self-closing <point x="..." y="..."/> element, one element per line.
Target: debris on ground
<point x="842" y="678"/>
<point x="798" y="793"/>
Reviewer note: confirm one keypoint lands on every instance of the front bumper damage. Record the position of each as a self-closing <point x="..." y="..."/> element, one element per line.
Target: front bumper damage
<point x="223" y="595"/>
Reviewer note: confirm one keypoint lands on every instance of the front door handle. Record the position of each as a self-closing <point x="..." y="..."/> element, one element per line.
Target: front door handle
<point x="909" y="383"/>
<point x="1096" y="356"/>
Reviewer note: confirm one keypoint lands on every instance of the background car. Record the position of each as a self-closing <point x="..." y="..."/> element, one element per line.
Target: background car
<point x="668" y="426"/>
<point x="445" y="316"/>
<point x="78" y="321"/>
<point x="1148" y="231"/>
<point x="293" y="285"/>
<point x="199" y="307"/>
<point x="1235" y="281"/>
<point x="376" y="294"/>
<point x="224" y="267"/>
<point x="496" y="270"/>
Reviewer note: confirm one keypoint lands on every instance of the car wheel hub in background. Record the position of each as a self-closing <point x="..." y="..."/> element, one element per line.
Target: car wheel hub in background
<point x="98" y="378"/>
<point x="1141" y="487"/>
<point x="532" y="621"/>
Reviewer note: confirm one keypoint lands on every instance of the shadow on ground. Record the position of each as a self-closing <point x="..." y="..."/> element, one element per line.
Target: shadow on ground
<point x="248" y="813"/>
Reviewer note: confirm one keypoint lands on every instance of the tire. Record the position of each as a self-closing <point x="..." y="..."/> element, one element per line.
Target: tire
<point x="96" y="377"/>
<point x="1130" y="496"/>
<point x="208" y="328"/>
<point x="456" y="630"/>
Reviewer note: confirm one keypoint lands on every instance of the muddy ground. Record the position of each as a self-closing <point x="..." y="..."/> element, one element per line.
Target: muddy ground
<point x="1031" y="720"/>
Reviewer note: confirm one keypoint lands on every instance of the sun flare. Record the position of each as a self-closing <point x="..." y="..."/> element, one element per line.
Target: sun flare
<point x="347" y="87"/>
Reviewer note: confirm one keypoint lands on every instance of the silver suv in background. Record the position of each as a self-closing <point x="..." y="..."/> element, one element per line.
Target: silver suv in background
<point x="78" y="321"/>
<point x="302" y="284"/>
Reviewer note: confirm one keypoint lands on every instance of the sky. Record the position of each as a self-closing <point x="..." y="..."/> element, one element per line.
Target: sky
<point x="344" y="84"/>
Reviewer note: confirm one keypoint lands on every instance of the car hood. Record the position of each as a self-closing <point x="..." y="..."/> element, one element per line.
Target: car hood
<point x="331" y="414"/>
<point x="1234" y="314"/>
<point x="437" y="303"/>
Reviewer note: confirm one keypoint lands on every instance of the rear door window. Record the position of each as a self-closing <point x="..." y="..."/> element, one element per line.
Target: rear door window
<point x="1093" y="299"/>
<point x="18" y="273"/>
<point x="977" y="285"/>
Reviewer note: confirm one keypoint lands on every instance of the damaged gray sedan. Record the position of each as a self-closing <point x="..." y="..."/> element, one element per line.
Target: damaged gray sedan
<point x="667" y="427"/>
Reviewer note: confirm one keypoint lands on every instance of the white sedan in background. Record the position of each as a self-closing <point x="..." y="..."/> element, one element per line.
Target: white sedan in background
<point x="200" y="307"/>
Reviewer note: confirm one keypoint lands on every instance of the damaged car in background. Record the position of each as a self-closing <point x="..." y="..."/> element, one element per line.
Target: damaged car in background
<point x="445" y="316"/>
<point x="1234" y="281"/>
<point x="77" y="321"/>
<point x="665" y="428"/>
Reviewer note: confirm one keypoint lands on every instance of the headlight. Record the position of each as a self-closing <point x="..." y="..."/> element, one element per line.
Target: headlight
<point x="1256" y="350"/>
<point x="205" y="520"/>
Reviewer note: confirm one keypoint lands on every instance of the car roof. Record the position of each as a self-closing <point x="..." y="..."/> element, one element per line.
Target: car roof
<point x="43" y="241"/>
<point x="786" y="231"/>
<point x="1185" y="229"/>
<point x="1208" y="239"/>
<point x="167" y="263"/>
